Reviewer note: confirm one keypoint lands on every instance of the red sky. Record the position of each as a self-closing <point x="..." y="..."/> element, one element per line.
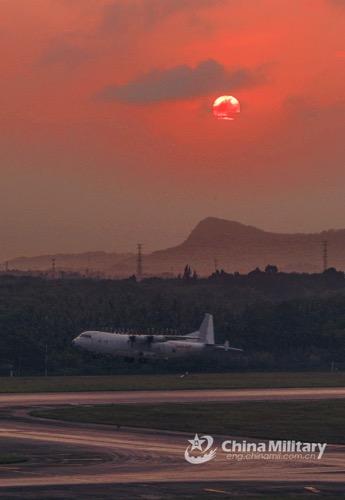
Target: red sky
<point x="107" y="135"/>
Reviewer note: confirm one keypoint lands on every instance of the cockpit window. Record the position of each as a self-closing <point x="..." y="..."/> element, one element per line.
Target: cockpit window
<point x="87" y="335"/>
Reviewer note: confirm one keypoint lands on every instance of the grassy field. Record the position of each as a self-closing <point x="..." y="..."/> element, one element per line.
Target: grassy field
<point x="308" y="421"/>
<point x="11" y="458"/>
<point x="171" y="381"/>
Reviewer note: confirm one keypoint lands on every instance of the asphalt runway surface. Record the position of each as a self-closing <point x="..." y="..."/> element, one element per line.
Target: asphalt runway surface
<point x="87" y="456"/>
<point x="142" y="456"/>
<point x="171" y="396"/>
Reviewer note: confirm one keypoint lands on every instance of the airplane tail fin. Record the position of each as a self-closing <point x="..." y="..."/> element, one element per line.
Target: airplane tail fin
<point x="206" y="330"/>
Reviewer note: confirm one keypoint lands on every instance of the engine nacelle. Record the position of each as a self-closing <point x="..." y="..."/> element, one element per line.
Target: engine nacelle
<point x="145" y="339"/>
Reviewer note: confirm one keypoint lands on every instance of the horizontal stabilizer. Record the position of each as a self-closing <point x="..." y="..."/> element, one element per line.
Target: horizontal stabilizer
<point x="226" y="347"/>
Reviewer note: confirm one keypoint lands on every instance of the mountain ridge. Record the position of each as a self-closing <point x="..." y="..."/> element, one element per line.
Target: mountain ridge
<point x="213" y="242"/>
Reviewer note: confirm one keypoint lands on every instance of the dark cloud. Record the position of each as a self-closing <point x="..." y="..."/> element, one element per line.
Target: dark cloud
<point x="147" y="13"/>
<point x="61" y="51"/>
<point x="337" y="3"/>
<point x="304" y="108"/>
<point x="182" y="82"/>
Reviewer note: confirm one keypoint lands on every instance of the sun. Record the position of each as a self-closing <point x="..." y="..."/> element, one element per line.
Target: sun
<point x="226" y="107"/>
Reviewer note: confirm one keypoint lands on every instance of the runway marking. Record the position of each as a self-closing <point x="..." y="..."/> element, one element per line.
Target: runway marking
<point x="312" y="489"/>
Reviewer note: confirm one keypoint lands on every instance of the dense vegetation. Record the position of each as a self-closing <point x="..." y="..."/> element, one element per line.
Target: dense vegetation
<point x="283" y="321"/>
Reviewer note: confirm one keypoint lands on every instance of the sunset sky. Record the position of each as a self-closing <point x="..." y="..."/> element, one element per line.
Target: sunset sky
<point x="107" y="133"/>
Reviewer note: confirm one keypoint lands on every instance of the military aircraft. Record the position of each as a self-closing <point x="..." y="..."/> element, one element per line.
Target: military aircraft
<point x="134" y="346"/>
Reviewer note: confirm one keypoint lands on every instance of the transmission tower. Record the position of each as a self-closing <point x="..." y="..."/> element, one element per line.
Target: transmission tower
<point x="215" y="261"/>
<point x="139" y="261"/>
<point x="53" y="268"/>
<point x="325" y="254"/>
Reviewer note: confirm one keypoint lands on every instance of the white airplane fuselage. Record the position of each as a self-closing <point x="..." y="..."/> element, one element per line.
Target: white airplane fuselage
<point x="123" y="345"/>
<point x="136" y="346"/>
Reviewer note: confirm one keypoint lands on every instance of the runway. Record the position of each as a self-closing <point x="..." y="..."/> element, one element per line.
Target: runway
<point x="174" y="396"/>
<point x="84" y="454"/>
<point x="146" y="457"/>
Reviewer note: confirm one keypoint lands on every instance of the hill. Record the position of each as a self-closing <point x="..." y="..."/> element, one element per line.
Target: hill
<point x="230" y="245"/>
<point x="79" y="262"/>
<point x="238" y="247"/>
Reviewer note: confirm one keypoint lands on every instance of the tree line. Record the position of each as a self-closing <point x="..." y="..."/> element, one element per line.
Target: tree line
<point x="282" y="321"/>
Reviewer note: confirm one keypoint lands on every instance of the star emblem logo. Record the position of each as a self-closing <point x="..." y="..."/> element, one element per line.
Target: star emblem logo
<point x="202" y="448"/>
<point x="196" y="443"/>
